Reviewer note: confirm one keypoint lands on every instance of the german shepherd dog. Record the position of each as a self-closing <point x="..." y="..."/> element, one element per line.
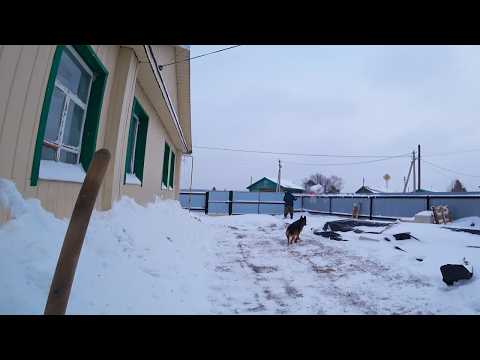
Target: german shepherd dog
<point x="294" y="229"/>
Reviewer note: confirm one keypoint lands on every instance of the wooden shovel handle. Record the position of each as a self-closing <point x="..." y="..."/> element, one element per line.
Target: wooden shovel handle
<point x="72" y="245"/>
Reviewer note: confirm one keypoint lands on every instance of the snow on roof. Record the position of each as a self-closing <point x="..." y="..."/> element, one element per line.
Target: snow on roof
<point x="368" y="188"/>
<point x="373" y="190"/>
<point x="286" y="183"/>
<point x="316" y="188"/>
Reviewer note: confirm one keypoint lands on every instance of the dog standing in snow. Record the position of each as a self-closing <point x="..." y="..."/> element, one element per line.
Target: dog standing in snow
<point x="294" y="229"/>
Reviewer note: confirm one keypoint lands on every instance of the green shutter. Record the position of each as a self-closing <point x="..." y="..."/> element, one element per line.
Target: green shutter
<point x="141" y="143"/>
<point x="94" y="107"/>
<point x="95" y="102"/>
<point x="172" y="168"/>
<point x="166" y="157"/>
<point x="129" y="147"/>
<point x="44" y="115"/>
<point x="141" y="140"/>
<point x="92" y="121"/>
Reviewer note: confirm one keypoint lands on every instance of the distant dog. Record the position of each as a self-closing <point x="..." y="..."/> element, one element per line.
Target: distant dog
<point x="294" y="229"/>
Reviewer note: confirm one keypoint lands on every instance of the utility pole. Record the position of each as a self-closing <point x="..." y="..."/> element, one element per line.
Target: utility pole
<point x="251" y="180"/>
<point x="409" y="172"/>
<point x="419" y="177"/>
<point x="414" y="177"/>
<point x="279" y="175"/>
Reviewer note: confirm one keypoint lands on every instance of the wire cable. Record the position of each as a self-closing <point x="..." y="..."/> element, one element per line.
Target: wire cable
<point x="198" y="56"/>
<point x="302" y="154"/>
<point x="451" y="153"/>
<point x="450" y="170"/>
<point x="351" y="163"/>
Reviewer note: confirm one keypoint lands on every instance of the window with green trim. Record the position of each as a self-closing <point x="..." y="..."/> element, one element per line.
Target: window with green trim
<point x="168" y="167"/>
<point x="136" y="144"/>
<point x="172" y="169"/>
<point x="70" y="114"/>
<point x="166" y="158"/>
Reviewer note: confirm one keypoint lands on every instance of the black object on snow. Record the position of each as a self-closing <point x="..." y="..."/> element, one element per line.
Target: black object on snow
<point x="472" y="224"/>
<point x="471" y="231"/>
<point x="385" y="238"/>
<point x="404" y="236"/>
<point x="396" y="247"/>
<point x="330" y="234"/>
<point x="349" y="225"/>
<point x="473" y="246"/>
<point x="419" y="259"/>
<point x="454" y="272"/>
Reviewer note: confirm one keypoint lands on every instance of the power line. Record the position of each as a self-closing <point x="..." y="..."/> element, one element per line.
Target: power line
<point x="301" y="154"/>
<point x="351" y="163"/>
<point x="450" y="170"/>
<point x="452" y="153"/>
<point x="198" y="56"/>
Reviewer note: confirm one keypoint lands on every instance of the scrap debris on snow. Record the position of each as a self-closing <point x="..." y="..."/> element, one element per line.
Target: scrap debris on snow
<point x="456" y="272"/>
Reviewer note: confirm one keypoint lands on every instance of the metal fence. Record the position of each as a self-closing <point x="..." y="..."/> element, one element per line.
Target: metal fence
<point x="381" y="206"/>
<point x="236" y="202"/>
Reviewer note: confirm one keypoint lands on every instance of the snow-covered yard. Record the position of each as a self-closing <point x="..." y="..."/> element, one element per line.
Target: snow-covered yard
<point x="258" y="274"/>
<point x="160" y="259"/>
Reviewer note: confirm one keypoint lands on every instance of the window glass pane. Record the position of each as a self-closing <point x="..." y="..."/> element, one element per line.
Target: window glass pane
<point x="132" y="134"/>
<point x="54" y="115"/>
<point x="129" y="165"/>
<point x="48" y="153"/>
<point x="73" y="125"/>
<point x="68" y="157"/>
<point x="134" y="142"/>
<point x="72" y="75"/>
<point x="172" y="169"/>
<point x="166" y="158"/>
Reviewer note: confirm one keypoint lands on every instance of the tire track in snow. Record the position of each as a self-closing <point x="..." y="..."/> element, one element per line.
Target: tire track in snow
<point x="266" y="276"/>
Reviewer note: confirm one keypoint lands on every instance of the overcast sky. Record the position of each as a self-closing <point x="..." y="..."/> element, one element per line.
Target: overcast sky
<point x="341" y="100"/>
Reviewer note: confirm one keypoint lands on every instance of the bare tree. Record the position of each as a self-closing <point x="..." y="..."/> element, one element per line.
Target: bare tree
<point x="332" y="184"/>
<point x="456" y="186"/>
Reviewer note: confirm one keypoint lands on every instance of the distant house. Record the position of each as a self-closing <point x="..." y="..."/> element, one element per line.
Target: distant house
<point x="367" y="190"/>
<point x="267" y="184"/>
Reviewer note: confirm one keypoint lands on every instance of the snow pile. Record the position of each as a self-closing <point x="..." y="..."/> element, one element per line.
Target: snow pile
<point x="317" y="188"/>
<point x="135" y="259"/>
<point x="466" y="223"/>
<point x="56" y="170"/>
<point x="425" y="213"/>
<point x="10" y="198"/>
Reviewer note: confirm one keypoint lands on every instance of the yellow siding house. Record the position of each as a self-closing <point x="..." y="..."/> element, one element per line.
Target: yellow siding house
<point x="59" y="104"/>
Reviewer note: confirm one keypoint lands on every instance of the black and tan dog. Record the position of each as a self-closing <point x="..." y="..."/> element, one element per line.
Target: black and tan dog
<point x="294" y="229"/>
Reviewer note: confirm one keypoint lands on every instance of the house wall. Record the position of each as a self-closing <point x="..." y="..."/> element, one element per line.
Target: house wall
<point x="153" y="168"/>
<point x="24" y="72"/>
<point x="165" y="54"/>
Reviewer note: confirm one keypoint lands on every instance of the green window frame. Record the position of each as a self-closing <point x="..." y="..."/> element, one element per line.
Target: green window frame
<point x="168" y="167"/>
<point x="166" y="162"/>
<point x="94" y="107"/>
<point x="172" y="169"/>
<point x="137" y="141"/>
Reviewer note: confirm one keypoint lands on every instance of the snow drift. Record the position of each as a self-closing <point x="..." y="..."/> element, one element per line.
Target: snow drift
<point x="135" y="259"/>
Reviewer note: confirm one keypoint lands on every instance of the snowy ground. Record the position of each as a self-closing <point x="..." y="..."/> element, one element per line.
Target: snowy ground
<point x="160" y="259"/>
<point x="322" y="276"/>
